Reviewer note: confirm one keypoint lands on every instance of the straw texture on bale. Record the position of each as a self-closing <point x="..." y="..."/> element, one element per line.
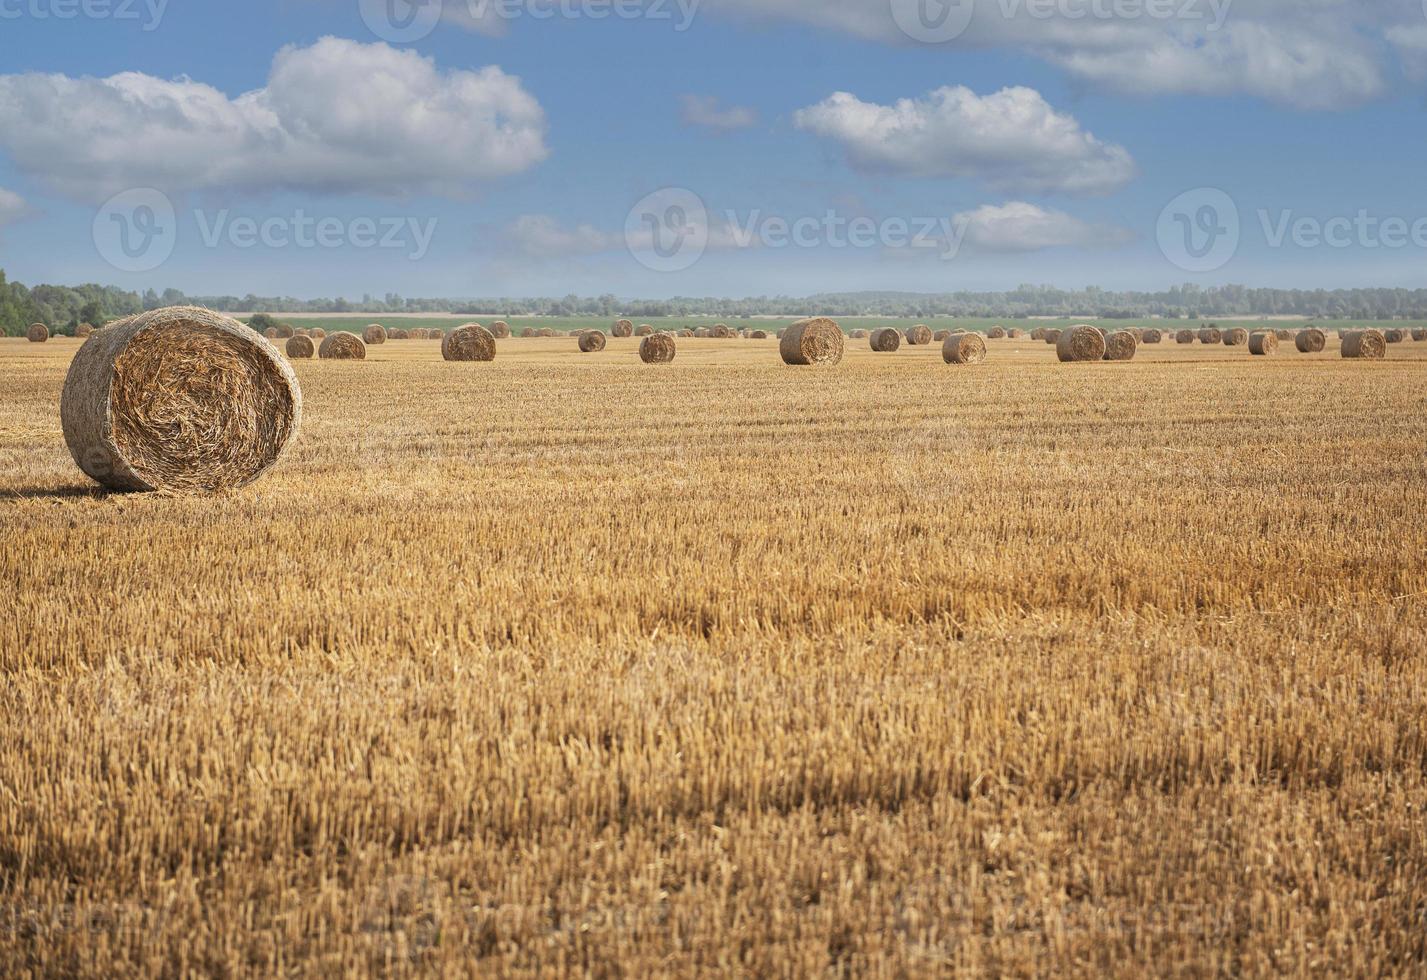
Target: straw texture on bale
<point x="963" y="348"/>
<point x="471" y="342"/>
<point x="38" y="333"/>
<point x="83" y="330"/>
<point x="817" y="340"/>
<point x="1367" y="344"/>
<point x="374" y="334"/>
<point x="1236" y="337"/>
<point x="1151" y="337"/>
<point x="656" y="348"/>
<point x="1263" y="342"/>
<point x="342" y="346"/>
<point x="623" y="328"/>
<point x="500" y="330"/>
<point x="1210" y="335"/>
<point x="300" y="348"/>
<point x="178" y="399"/>
<point x="1310" y="341"/>
<point x="996" y="333"/>
<point x="1121" y="345"/>
<point x="1080" y="343"/>
<point x="920" y="335"/>
<point x="1184" y="337"/>
<point x="591" y="341"/>
<point x="885" y="340"/>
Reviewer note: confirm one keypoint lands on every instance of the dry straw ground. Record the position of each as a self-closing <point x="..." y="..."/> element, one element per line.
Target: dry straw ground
<point x="560" y="665"/>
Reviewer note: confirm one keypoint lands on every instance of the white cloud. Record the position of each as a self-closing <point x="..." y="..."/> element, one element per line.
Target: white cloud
<point x="338" y="116"/>
<point x="1010" y="140"/>
<point x="1020" y="227"/>
<point x="542" y="236"/>
<point x="699" y="110"/>
<point x="12" y="207"/>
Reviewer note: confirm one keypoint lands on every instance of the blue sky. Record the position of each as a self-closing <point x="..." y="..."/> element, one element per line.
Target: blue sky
<point x="503" y="155"/>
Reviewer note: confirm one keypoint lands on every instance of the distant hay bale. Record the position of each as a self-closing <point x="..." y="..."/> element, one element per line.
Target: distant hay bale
<point x="1052" y="336"/>
<point x="471" y="342"/>
<point x="997" y="333"/>
<point x="940" y="336"/>
<point x="83" y="330"/>
<point x="342" y="346"/>
<point x="317" y="333"/>
<point x="885" y="340"/>
<point x="1015" y="333"/>
<point x="285" y="330"/>
<point x="722" y="331"/>
<point x="656" y="348"/>
<point x="300" y="348"/>
<point x="1365" y="344"/>
<point x="270" y="333"/>
<point x="1395" y="336"/>
<point x="1038" y="333"/>
<point x="1184" y="337"/>
<point x="547" y="331"/>
<point x="591" y="341"/>
<point x="817" y="340"/>
<point x="1236" y="337"/>
<point x="374" y="334"/>
<point x="1210" y="335"/>
<point x="38" y="333"/>
<point x="1080" y="343"/>
<point x="758" y="335"/>
<point x="1310" y="341"/>
<point x="1152" y="337"/>
<point x="963" y="348"/>
<point x="529" y="332"/>
<point x="920" y="335"/>
<point x="1419" y="333"/>
<point x="178" y="399"/>
<point x="1263" y="343"/>
<point x="855" y="335"/>
<point x="1121" y="345"/>
<point x="703" y="333"/>
<point x="396" y="333"/>
<point x="623" y="328"/>
<point x="500" y="330"/>
<point x="1283" y="334"/>
<point x="643" y="330"/>
<point x="686" y="332"/>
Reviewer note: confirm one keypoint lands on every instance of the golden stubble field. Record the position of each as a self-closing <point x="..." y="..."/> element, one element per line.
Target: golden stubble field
<point x="568" y="665"/>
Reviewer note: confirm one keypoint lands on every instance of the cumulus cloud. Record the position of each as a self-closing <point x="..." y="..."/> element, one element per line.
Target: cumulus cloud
<point x="699" y="110"/>
<point x="1020" y="227"/>
<point x="1011" y="140"/>
<point x="543" y="236"/>
<point x="337" y="116"/>
<point x="12" y="207"/>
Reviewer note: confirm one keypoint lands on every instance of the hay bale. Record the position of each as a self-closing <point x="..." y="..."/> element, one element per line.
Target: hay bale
<point x="623" y="328"/>
<point x="1184" y="337"/>
<point x="1236" y="337"/>
<point x="1052" y="336"/>
<point x="300" y="348"/>
<point x="1151" y="337"/>
<point x="855" y="335"/>
<point x="471" y="342"/>
<point x="83" y="330"/>
<point x="342" y="346"/>
<point x="38" y="333"/>
<point x="686" y="332"/>
<point x="285" y="331"/>
<point x="530" y="332"/>
<point x="317" y="333"/>
<point x="1419" y="334"/>
<point x="374" y="334"/>
<point x="179" y="399"/>
<point x="1263" y="343"/>
<point x="1038" y="333"/>
<point x="1282" y="335"/>
<point x="1310" y="341"/>
<point x="940" y="336"/>
<point x="885" y="340"/>
<point x="963" y="348"/>
<point x="270" y="333"/>
<point x="592" y="341"/>
<point x="1015" y="334"/>
<point x="1080" y="343"/>
<point x="1210" y="335"/>
<point x="758" y="335"/>
<point x="547" y="331"/>
<point x="643" y="330"/>
<point x="722" y="331"/>
<point x="1395" y="336"/>
<point x="703" y="333"/>
<point x="920" y="335"/>
<point x="500" y="330"/>
<point x="656" y="348"/>
<point x="1365" y="344"/>
<point x="1121" y="345"/>
<point x="997" y="333"/>
<point x="817" y="340"/>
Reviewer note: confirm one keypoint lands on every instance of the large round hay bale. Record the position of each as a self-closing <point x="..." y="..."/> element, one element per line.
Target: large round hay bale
<point x="920" y="335"/>
<point x="997" y="333"/>
<point x="722" y="331"/>
<point x="471" y="342"/>
<point x="1052" y="336"/>
<point x="1184" y="337"/>
<point x="623" y="328"/>
<point x="703" y="333"/>
<point x="398" y="333"/>
<point x="1236" y="337"/>
<point x="1210" y="335"/>
<point x="1310" y="341"/>
<point x="1080" y="343"/>
<point x="178" y="399"/>
<point x="1367" y="344"/>
<point x="591" y="341"/>
<point x="1038" y="333"/>
<point x="1151" y="337"/>
<point x="342" y="346"/>
<point x="656" y="348"/>
<point x="317" y="333"/>
<point x="547" y="331"/>
<point x="530" y="332"/>
<point x="1015" y="333"/>
<point x="1395" y="336"/>
<point x="885" y="340"/>
<point x="643" y="330"/>
<point x="83" y="330"/>
<point x="300" y="348"/>
<point x="38" y="333"/>
<point x="817" y="340"/>
<point x="1419" y="334"/>
<point x="1121" y="345"/>
<point x="374" y="334"/>
<point x="963" y="348"/>
<point x="500" y="330"/>
<point x="1263" y="343"/>
<point x="758" y="335"/>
